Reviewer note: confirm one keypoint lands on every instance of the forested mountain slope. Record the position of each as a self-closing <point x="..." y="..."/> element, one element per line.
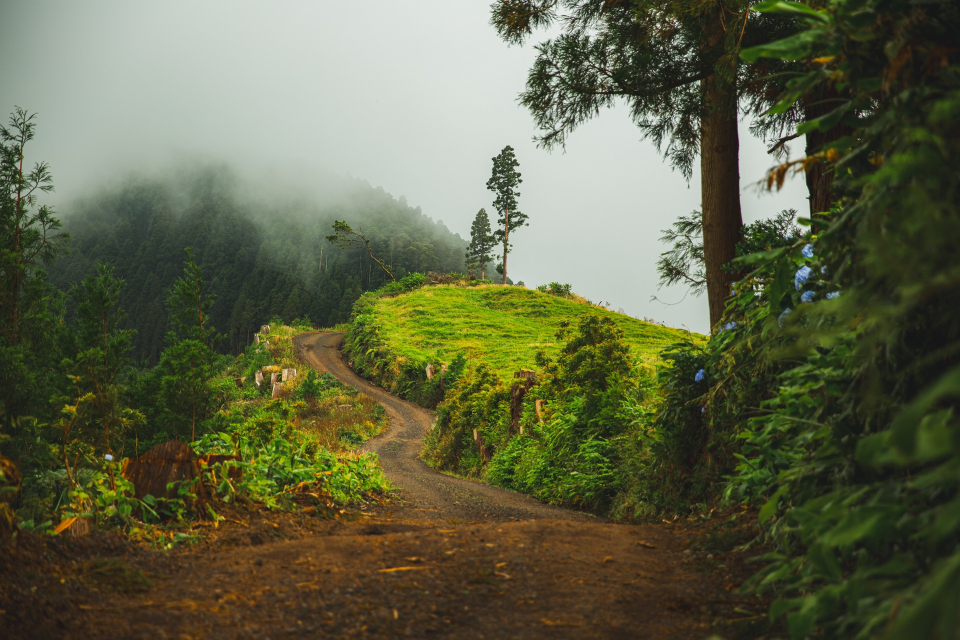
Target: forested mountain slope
<point x="260" y="253"/>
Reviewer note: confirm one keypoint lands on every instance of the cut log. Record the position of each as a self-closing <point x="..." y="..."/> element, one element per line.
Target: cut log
<point x="165" y="463"/>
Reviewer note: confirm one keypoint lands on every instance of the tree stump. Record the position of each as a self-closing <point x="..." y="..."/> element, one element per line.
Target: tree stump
<point x="518" y="390"/>
<point x="258" y="378"/>
<point x="168" y="462"/>
<point x="430" y="371"/>
<point x="265" y="329"/>
<point x="276" y="390"/>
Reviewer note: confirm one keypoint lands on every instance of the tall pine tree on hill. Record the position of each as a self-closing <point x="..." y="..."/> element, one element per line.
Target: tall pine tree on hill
<point x="504" y="181"/>
<point x="481" y="244"/>
<point x="675" y="64"/>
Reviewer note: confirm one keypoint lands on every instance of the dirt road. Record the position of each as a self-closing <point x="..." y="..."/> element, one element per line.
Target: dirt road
<point x="424" y="492"/>
<point x="452" y="559"/>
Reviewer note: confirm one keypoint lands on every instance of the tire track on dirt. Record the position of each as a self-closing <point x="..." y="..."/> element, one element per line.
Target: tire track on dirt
<point x="431" y="495"/>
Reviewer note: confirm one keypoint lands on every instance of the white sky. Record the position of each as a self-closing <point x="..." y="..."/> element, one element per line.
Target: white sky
<point x="415" y="96"/>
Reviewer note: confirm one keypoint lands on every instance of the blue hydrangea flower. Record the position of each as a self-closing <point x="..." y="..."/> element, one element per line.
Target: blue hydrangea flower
<point x="806" y="296"/>
<point x="807" y="251"/>
<point x="783" y="315"/>
<point x="108" y="458"/>
<point x="833" y="295"/>
<point x="823" y="270"/>
<point x="700" y="377"/>
<point x="729" y="326"/>
<point x="803" y="274"/>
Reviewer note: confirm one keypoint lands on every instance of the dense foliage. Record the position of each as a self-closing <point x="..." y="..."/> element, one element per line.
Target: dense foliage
<point x="262" y="256"/>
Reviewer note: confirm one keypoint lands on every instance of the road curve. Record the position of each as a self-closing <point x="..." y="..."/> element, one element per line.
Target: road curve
<point x="431" y="495"/>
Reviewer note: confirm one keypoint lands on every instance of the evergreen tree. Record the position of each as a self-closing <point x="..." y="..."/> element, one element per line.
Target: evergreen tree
<point x="504" y="181"/>
<point x="188" y="364"/>
<point x="676" y="66"/>
<point x="479" y="252"/>
<point x="96" y="415"/>
<point x="30" y="238"/>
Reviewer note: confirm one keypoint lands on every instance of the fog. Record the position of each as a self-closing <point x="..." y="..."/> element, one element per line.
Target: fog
<point x="415" y="97"/>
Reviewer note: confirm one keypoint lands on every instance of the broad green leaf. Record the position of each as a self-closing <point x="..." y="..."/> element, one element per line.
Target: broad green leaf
<point x="792" y="48"/>
<point x="796" y="9"/>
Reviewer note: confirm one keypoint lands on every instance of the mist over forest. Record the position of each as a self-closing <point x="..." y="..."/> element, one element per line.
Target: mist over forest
<point x="260" y="245"/>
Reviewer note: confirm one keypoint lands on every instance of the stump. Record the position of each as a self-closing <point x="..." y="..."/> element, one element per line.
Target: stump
<point x="276" y="390"/>
<point x="168" y="462"/>
<point x="265" y="329"/>
<point x="430" y="371"/>
<point x="258" y="378"/>
<point x="518" y="390"/>
<point x="526" y="374"/>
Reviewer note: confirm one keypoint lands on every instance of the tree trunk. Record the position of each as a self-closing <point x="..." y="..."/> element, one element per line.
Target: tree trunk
<point x="819" y="175"/>
<point x="506" y="241"/>
<point x="719" y="189"/>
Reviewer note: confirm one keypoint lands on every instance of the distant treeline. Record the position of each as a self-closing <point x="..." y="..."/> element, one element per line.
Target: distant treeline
<point x="262" y="256"/>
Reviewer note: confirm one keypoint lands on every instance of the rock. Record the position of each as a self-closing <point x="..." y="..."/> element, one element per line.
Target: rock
<point x="171" y="461"/>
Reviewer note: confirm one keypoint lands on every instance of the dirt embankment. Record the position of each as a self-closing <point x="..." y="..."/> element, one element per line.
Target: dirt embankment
<point x="450" y="559"/>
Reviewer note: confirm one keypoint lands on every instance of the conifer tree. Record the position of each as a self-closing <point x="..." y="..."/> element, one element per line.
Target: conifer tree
<point x="504" y="181"/>
<point x="188" y="364"/>
<point x="481" y="244"/>
<point x="674" y="63"/>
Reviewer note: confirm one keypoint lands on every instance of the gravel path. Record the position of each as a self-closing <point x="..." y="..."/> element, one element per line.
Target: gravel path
<point x="429" y="494"/>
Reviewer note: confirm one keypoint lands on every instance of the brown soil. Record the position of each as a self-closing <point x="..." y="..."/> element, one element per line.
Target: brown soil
<point x="450" y="558"/>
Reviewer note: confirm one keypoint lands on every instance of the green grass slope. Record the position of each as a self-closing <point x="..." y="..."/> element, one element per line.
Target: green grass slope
<point x="501" y="326"/>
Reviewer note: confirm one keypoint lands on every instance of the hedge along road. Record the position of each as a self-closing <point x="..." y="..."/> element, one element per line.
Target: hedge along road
<point x="429" y="494"/>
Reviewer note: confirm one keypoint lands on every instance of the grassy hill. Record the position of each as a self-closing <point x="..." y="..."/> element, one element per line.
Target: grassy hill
<point x="501" y="326"/>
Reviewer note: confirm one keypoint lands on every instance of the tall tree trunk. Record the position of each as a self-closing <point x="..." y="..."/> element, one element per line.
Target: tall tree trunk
<point x="506" y="241"/>
<point x="719" y="189"/>
<point x="819" y="175"/>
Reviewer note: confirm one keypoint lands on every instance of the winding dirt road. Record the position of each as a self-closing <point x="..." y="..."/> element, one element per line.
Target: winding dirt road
<point x="425" y="492"/>
<point x="451" y="559"/>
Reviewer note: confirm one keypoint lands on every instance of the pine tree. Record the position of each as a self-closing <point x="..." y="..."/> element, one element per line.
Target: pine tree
<point x="188" y="364"/>
<point x="479" y="252"/>
<point x="676" y="66"/>
<point x="504" y="181"/>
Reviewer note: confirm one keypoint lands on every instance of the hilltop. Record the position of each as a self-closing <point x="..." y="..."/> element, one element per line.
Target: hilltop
<point x="503" y="327"/>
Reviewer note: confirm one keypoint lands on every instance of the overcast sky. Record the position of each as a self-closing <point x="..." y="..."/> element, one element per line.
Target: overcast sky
<point x="414" y="96"/>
